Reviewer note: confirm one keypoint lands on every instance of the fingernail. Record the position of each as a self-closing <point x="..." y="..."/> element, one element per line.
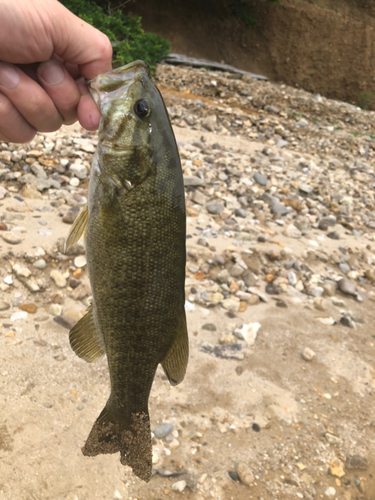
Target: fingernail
<point x="9" y="77"/>
<point x="51" y="72"/>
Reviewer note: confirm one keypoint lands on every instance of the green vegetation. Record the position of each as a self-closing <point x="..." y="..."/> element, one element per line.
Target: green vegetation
<point x="246" y="13"/>
<point x="128" y="39"/>
<point x="365" y="99"/>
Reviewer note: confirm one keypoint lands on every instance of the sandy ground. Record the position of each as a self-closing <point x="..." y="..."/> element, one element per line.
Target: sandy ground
<point x="49" y="398"/>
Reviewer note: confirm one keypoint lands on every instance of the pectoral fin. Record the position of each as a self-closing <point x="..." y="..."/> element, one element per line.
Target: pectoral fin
<point x="175" y="363"/>
<point x="78" y="228"/>
<point x="85" y="339"/>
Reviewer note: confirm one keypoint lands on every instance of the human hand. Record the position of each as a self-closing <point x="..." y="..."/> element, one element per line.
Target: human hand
<point x="45" y="54"/>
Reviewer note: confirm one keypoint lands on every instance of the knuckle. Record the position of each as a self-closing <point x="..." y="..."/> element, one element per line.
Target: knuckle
<point x="37" y="103"/>
<point x="106" y="48"/>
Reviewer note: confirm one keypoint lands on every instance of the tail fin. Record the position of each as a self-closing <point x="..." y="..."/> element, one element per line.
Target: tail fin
<point x="133" y="440"/>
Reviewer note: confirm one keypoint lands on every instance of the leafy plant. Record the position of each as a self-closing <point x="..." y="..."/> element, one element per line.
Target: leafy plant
<point x="365" y="99"/>
<point x="246" y="13"/>
<point x="129" y="41"/>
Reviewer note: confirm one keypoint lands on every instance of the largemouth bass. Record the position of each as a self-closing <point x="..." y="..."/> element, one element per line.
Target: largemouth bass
<point x="135" y="228"/>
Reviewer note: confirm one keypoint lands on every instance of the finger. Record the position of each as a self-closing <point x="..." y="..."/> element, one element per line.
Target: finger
<point x="13" y="127"/>
<point x="73" y="69"/>
<point x="50" y="28"/>
<point x="3" y="138"/>
<point x="61" y="88"/>
<point x="77" y="42"/>
<point x="29" y="98"/>
<point x="88" y="112"/>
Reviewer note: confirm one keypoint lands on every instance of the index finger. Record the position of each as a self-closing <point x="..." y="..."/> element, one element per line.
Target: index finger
<point x="77" y="42"/>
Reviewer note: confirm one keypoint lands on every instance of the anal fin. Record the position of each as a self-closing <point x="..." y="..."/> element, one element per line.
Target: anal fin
<point x="175" y="362"/>
<point x="85" y="340"/>
<point x="78" y="228"/>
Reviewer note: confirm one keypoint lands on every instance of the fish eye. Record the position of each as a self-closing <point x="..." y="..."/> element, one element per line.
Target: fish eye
<point x="141" y="108"/>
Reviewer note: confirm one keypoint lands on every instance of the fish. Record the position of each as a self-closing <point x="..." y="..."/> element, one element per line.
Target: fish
<point x="134" y="226"/>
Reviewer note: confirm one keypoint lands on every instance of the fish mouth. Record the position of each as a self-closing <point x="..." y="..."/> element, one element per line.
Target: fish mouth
<point x="119" y="78"/>
<point x="122" y="69"/>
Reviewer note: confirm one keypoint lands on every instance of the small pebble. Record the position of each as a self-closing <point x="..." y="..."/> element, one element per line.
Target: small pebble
<point x="40" y="264"/>
<point x="19" y="316"/>
<point x="30" y="308"/>
<point x="11" y="238"/>
<point x="58" y="278"/>
<point x="210" y="327"/>
<point x="308" y="354"/>
<point x="330" y="492"/>
<point x="179" y="486"/>
<point x="55" y="309"/>
<point x="347" y="287"/>
<point x="260" y="179"/>
<point x="347" y="321"/>
<point x="245" y="474"/>
<point x="248" y="332"/>
<point x="163" y="430"/>
<point x="71" y="215"/>
<point x="80" y="261"/>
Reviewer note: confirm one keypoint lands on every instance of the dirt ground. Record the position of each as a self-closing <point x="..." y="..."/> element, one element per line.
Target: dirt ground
<point x="304" y="429"/>
<point x="49" y="398"/>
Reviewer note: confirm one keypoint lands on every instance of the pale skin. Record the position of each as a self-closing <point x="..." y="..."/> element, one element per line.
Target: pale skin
<point x="46" y="52"/>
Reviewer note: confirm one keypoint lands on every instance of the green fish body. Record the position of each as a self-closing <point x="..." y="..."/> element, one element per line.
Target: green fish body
<point x="135" y="226"/>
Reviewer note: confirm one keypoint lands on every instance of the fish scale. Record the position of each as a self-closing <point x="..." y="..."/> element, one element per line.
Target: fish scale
<point x="135" y="226"/>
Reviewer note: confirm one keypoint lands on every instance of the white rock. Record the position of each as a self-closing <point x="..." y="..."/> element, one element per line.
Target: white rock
<point x="11" y="238"/>
<point x="55" y="309"/>
<point x="74" y="182"/>
<point x="189" y="307"/>
<point x="40" y="252"/>
<point x="330" y="492"/>
<point x="117" y="495"/>
<point x="31" y="286"/>
<point x="179" y="486"/>
<point x="308" y="354"/>
<point x="231" y="305"/>
<point x="175" y="443"/>
<point x="8" y="280"/>
<point x="248" y="332"/>
<point x="80" y="261"/>
<point x="326" y="320"/>
<point x="291" y="231"/>
<point x="78" y="170"/>
<point x="155" y="457"/>
<point x="19" y="316"/>
<point x="21" y="272"/>
<point x="85" y="145"/>
<point x="58" y="278"/>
